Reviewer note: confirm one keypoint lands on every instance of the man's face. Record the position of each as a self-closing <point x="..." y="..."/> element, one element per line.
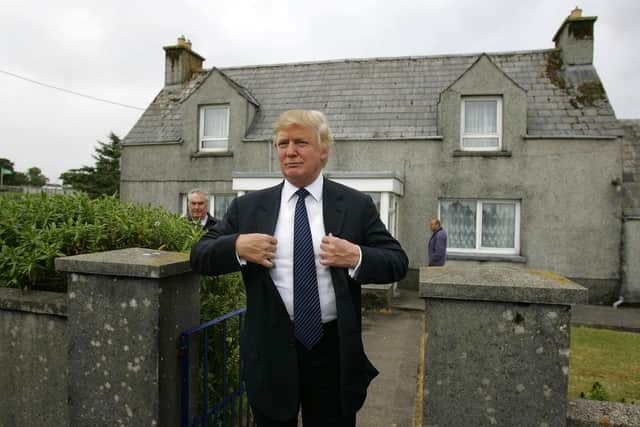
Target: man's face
<point x="198" y="206"/>
<point x="434" y="225"/>
<point x="301" y="155"/>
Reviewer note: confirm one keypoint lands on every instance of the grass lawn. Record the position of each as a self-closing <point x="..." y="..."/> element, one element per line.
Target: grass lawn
<point x="611" y="358"/>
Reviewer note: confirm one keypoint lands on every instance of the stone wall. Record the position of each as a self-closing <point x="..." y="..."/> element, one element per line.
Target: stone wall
<point x="497" y="349"/>
<point x="33" y="358"/>
<point x="497" y="345"/>
<point x="105" y="353"/>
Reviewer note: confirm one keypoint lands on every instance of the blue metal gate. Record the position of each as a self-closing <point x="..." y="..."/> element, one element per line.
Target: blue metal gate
<point x="230" y="406"/>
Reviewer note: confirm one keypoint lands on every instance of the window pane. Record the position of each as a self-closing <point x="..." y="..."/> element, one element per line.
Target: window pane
<point x="480" y="117"/>
<point x="216" y="122"/>
<point x="479" y="142"/>
<point x="215" y="144"/>
<point x="498" y="225"/>
<point x="183" y="204"/>
<point x="458" y="217"/>
<point x="221" y="203"/>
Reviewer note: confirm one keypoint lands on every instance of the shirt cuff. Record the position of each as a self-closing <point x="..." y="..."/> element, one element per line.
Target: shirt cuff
<point x="353" y="272"/>
<point x="241" y="261"/>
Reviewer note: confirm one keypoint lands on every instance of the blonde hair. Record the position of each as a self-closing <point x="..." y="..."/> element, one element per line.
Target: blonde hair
<point x="305" y="118"/>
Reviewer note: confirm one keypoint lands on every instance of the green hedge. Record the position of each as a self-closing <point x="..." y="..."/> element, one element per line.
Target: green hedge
<point x="35" y="229"/>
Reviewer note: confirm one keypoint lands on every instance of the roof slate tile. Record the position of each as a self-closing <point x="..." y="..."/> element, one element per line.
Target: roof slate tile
<point x="392" y="97"/>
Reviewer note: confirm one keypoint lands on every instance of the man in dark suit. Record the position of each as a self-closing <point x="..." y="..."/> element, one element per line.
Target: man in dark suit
<point x="304" y="248"/>
<point x="198" y="209"/>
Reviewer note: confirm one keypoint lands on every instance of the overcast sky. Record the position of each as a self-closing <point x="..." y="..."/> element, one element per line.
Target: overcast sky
<point x="113" y="50"/>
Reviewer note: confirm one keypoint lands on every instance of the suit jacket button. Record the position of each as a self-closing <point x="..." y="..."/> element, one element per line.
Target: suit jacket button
<point x="292" y="342"/>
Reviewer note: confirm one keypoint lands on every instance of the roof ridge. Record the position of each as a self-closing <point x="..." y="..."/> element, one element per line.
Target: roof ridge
<point x="386" y="58"/>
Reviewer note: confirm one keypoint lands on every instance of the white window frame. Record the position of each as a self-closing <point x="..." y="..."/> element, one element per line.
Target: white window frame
<point x="498" y="133"/>
<point x="487" y="250"/>
<point x="202" y="139"/>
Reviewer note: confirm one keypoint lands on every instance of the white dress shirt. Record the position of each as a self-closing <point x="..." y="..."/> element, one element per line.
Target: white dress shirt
<point x="282" y="270"/>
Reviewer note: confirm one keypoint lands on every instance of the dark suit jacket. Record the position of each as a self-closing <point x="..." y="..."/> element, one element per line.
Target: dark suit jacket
<point x="211" y="221"/>
<point x="269" y="349"/>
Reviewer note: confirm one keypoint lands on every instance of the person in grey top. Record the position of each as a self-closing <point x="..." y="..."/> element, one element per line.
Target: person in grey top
<point x="437" y="244"/>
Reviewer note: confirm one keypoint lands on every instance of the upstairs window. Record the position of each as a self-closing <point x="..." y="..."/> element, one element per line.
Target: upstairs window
<point x="214" y="128"/>
<point x="481" y="123"/>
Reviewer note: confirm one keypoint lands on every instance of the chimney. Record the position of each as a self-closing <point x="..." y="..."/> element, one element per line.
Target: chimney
<point x="575" y="38"/>
<point x="180" y="62"/>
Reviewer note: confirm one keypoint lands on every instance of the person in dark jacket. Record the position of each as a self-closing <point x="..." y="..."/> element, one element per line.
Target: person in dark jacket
<point x="437" y="244"/>
<point x="304" y="248"/>
<point x="198" y="209"/>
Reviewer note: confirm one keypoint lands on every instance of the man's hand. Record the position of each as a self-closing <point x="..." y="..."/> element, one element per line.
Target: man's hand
<point x="257" y="248"/>
<point x="337" y="252"/>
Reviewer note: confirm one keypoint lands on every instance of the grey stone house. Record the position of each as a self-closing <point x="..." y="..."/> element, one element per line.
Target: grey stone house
<point x="519" y="153"/>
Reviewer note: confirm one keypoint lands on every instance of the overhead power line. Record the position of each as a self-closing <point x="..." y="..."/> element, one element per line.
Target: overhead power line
<point x="94" y="98"/>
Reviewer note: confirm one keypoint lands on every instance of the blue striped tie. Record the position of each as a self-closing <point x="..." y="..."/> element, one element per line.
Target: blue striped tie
<point x="306" y="301"/>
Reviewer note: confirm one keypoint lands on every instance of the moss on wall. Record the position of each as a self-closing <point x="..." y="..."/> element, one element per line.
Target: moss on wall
<point x="589" y="93"/>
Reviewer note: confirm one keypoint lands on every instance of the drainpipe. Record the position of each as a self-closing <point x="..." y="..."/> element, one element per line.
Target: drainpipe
<point x="617" y="303"/>
<point x="617" y="182"/>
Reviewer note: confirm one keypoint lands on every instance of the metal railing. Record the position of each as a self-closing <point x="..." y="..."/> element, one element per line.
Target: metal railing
<point x="216" y="339"/>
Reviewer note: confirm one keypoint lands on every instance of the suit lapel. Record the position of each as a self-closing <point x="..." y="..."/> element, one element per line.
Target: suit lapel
<point x="268" y="210"/>
<point x="333" y="208"/>
<point x="334" y="211"/>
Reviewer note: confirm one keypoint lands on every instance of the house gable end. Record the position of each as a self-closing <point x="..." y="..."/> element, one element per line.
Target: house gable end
<point x="480" y="67"/>
<point x="484" y="79"/>
<point x="217" y="89"/>
<point x="242" y="91"/>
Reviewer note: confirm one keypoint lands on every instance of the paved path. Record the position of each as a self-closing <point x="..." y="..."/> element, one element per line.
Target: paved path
<point x="392" y="342"/>
<point x="625" y="318"/>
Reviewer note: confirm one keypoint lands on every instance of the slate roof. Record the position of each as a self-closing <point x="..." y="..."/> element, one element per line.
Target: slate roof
<point x="394" y="97"/>
<point x="631" y="150"/>
<point x="161" y="122"/>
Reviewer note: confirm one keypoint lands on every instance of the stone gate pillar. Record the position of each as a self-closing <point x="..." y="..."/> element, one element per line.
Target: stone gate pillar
<point x="497" y="345"/>
<point x="126" y="309"/>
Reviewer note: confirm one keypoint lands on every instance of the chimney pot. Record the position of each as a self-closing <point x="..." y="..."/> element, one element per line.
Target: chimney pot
<point x="181" y="62"/>
<point x="575" y="38"/>
<point x="576" y="13"/>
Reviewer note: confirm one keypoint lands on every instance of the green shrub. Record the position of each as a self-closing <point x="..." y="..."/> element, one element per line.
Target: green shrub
<point x="218" y="296"/>
<point x="35" y="229"/>
<point x="597" y="393"/>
